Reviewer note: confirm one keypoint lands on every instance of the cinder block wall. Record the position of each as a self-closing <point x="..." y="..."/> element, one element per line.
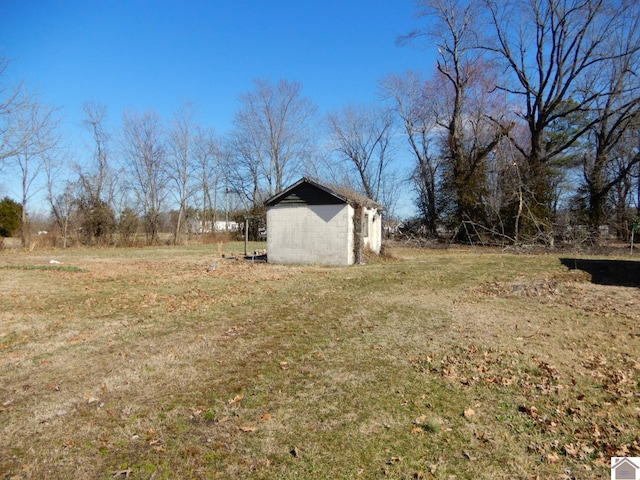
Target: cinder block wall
<point x="318" y="234"/>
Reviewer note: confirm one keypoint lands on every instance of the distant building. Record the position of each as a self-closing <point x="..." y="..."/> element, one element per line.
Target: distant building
<point x="310" y="223"/>
<point x="199" y="226"/>
<point x="222" y="226"/>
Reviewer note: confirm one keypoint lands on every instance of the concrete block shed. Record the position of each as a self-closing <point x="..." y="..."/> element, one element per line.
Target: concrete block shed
<point x="310" y="223"/>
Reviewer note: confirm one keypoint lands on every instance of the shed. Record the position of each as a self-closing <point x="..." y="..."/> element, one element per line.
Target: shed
<point x="311" y="223"/>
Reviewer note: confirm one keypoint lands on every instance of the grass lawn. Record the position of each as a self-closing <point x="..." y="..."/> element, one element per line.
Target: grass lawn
<point x="173" y="362"/>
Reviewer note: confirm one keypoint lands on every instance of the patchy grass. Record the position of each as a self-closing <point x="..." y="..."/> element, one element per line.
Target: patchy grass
<point x="173" y="362"/>
<point x="54" y="268"/>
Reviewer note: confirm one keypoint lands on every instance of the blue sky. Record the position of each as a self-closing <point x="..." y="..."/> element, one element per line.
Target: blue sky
<point x="138" y="55"/>
<point x="154" y="54"/>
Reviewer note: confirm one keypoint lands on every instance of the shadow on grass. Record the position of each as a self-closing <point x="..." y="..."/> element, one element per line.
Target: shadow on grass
<point x="256" y="258"/>
<point x="622" y="273"/>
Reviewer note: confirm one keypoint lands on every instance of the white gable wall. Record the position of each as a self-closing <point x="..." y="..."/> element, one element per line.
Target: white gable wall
<point x="321" y="234"/>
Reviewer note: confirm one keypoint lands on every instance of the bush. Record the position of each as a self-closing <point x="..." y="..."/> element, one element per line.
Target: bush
<point x="10" y="217"/>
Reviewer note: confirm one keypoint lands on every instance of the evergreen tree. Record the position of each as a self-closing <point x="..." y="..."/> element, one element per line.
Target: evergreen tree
<point x="10" y="215"/>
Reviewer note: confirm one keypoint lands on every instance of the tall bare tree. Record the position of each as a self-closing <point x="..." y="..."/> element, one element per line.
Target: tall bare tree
<point x="97" y="178"/>
<point x="361" y="135"/>
<point x="32" y="136"/>
<point x="12" y="99"/>
<point x="471" y="132"/>
<point x="409" y="94"/>
<point x="244" y="172"/>
<point x="210" y="171"/>
<point x="548" y="47"/>
<point x="145" y="154"/>
<point x="62" y="198"/>
<point x="271" y="136"/>
<point x="181" y="138"/>
<point x="614" y="137"/>
<point x="624" y="195"/>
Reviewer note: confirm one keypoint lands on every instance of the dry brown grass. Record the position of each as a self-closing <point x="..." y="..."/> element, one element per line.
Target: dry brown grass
<point x="422" y="364"/>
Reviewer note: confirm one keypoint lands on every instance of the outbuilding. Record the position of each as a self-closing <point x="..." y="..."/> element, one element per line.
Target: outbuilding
<point x="311" y="223"/>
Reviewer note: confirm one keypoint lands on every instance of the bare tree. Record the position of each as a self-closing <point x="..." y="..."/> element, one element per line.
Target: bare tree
<point x="62" y="198"/>
<point x="411" y="102"/>
<point x="472" y="133"/>
<point x="361" y="135"/>
<point x="144" y="150"/>
<point x="244" y="168"/>
<point x="61" y="190"/>
<point x="97" y="178"/>
<point x="181" y="146"/>
<point x="29" y="140"/>
<point x="271" y="136"/>
<point x="31" y="136"/>
<point x="209" y="171"/>
<point x="615" y="148"/>
<point x="12" y="100"/>
<point x="548" y="46"/>
<point x="621" y="196"/>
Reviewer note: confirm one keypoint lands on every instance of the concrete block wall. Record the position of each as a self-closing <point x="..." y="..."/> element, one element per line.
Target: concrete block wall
<point x="317" y="234"/>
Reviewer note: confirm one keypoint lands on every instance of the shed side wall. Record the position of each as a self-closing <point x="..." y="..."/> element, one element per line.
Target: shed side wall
<point x="373" y="240"/>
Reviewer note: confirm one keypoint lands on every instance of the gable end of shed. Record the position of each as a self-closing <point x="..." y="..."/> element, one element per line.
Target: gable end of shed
<point x="306" y="192"/>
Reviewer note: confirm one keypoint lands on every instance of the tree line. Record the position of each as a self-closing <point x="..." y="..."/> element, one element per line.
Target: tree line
<point x="526" y="129"/>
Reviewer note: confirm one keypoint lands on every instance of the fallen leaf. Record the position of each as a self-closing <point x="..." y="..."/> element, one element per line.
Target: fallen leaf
<point x="587" y="450"/>
<point x="248" y="429"/>
<point x="602" y="461"/>
<point x="236" y="399"/>
<point x="265" y="417"/>
<point x="572" y="450"/>
<point x="126" y="473"/>
<point x="623" y="451"/>
<point x="552" y="458"/>
<point x="420" y="420"/>
<point x="469" y="412"/>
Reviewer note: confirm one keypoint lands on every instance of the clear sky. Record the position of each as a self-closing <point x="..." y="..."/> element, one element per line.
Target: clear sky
<point x="140" y="55"/>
